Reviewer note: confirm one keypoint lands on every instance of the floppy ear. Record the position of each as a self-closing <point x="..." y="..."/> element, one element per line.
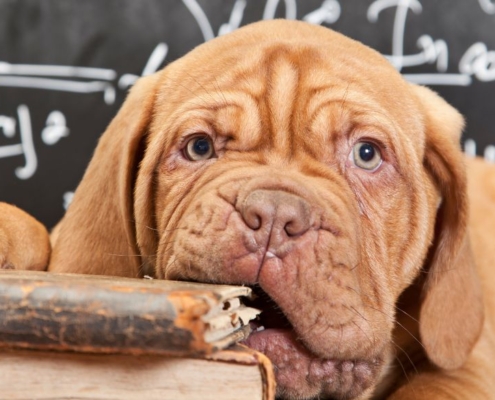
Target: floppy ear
<point x="97" y="234"/>
<point x="451" y="314"/>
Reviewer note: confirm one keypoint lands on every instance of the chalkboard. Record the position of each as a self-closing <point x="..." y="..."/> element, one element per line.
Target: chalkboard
<point x="65" y="67"/>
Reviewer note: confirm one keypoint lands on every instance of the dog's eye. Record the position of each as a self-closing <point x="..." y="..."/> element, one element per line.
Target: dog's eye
<point x="199" y="148"/>
<point x="366" y="156"/>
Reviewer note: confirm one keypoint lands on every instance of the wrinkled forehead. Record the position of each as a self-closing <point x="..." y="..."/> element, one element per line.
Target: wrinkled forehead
<point x="287" y="76"/>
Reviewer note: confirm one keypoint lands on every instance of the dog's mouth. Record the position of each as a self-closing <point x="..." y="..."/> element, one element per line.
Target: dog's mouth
<point x="299" y="372"/>
<point x="272" y="316"/>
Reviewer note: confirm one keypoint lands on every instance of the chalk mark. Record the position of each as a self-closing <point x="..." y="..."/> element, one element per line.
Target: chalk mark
<point x="201" y="19"/>
<point x="55" y="128"/>
<point x="328" y="13"/>
<point x="487" y="6"/>
<point x="27" y="144"/>
<point x="57" y="71"/>
<point x="60" y="85"/>
<point x="439" y="79"/>
<point x="235" y="19"/>
<point x="154" y="62"/>
<point x="272" y="5"/>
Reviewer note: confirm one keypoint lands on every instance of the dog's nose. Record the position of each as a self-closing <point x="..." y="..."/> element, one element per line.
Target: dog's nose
<point x="276" y="211"/>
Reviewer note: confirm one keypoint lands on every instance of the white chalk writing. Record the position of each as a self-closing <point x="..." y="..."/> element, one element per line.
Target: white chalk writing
<point x="201" y="19"/>
<point x="54" y="130"/>
<point x="487" y="6"/>
<point x="470" y="149"/>
<point x="54" y="77"/>
<point x="431" y="50"/>
<point x="476" y="63"/>
<point x="272" y="5"/>
<point x="7" y="124"/>
<point x="29" y="76"/>
<point x="154" y="62"/>
<point x="328" y="13"/>
<point x="235" y="19"/>
<point x="68" y="196"/>
<point x="489" y="154"/>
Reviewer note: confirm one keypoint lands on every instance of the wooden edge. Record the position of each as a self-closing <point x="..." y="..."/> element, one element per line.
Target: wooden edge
<point x="48" y="375"/>
<point x="245" y="355"/>
<point x="132" y="351"/>
<point x="269" y="383"/>
<point x="222" y="292"/>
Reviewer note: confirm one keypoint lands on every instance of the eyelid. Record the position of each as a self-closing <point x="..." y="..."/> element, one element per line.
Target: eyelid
<point x="374" y="136"/>
<point x="373" y="139"/>
<point x="186" y="137"/>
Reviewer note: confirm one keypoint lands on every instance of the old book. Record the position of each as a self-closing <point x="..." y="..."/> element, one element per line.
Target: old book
<point x="103" y="314"/>
<point x="159" y="339"/>
<point x="233" y="374"/>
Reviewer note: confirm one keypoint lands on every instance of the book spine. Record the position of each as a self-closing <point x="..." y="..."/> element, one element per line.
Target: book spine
<point x="41" y="314"/>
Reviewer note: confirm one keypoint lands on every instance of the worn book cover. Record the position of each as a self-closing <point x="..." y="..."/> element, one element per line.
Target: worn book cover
<point x="76" y="336"/>
<point x="42" y="310"/>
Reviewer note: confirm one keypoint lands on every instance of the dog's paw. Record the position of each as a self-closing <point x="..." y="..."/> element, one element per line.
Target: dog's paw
<point x="4" y="248"/>
<point x="24" y="242"/>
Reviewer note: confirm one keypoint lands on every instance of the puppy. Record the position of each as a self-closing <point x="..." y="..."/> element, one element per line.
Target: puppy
<point x="289" y="158"/>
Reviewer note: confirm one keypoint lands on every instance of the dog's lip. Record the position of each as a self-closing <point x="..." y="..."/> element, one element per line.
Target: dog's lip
<point x="294" y="363"/>
<point x="296" y="367"/>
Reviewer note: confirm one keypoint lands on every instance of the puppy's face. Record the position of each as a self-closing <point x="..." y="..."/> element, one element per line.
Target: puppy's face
<point x="294" y="165"/>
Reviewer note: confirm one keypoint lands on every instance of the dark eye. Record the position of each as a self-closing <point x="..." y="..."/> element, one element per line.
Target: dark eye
<point x="199" y="148"/>
<point x="366" y="156"/>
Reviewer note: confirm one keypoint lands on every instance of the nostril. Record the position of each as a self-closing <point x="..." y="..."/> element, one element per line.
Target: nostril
<point x="294" y="228"/>
<point x="297" y="217"/>
<point x="258" y="210"/>
<point x="253" y="219"/>
<point x="290" y="229"/>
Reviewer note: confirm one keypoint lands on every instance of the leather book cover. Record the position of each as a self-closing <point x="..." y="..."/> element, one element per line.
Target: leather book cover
<point x="44" y="311"/>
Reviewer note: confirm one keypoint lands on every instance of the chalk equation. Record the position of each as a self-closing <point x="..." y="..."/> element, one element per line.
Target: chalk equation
<point x="63" y="78"/>
<point x="477" y="63"/>
<point x="54" y="130"/>
<point x="327" y="13"/>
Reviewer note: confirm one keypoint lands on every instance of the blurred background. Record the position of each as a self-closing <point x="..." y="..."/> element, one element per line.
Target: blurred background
<point x="66" y="65"/>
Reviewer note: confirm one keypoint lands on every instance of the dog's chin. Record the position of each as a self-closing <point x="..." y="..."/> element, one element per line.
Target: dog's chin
<point x="300" y="373"/>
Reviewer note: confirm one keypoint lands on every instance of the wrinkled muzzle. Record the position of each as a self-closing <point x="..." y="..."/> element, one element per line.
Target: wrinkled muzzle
<point x="299" y="248"/>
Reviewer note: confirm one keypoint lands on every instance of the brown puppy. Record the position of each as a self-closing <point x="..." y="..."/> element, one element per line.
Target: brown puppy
<point x="290" y="158"/>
